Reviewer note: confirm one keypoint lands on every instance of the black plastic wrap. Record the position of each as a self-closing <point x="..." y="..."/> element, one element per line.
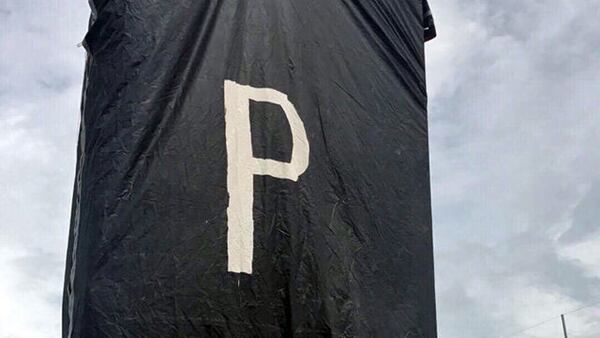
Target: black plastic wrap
<point x="253" y="168"/>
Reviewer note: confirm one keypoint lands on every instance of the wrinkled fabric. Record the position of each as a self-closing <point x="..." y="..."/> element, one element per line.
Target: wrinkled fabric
<point x="345" y="250"/>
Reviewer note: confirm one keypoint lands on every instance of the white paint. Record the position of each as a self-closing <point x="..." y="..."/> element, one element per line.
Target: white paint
<point x="242" y="165"/>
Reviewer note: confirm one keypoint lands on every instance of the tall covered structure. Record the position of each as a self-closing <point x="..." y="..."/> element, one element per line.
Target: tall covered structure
<point x="253" y="168"/>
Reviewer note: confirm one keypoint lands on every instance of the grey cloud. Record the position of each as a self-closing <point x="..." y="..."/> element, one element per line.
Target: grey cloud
<point x="481" y="286"/>
<point x="586" y="217"/>
<point x="40" y="84"/>
<point x="37" y="265"/>
<point x="513" y="127"/>
<point x="535" y="255"/>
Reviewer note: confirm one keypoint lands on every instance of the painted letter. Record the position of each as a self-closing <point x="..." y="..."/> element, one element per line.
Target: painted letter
<point x="242" y="165"/>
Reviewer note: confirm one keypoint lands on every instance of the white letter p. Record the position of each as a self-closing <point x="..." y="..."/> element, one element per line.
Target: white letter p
<point x="242" y="165"/>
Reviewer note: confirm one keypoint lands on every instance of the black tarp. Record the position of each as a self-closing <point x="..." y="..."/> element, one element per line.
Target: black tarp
<point x="253" y="168"/>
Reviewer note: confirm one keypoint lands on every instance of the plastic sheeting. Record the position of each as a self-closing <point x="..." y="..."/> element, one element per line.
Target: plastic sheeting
<point x="252" y="169"/>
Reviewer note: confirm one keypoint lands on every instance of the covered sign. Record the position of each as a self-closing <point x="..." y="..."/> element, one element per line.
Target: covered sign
<point x="253" y="168"/>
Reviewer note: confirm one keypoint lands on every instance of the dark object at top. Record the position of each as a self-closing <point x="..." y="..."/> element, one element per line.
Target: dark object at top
<point x="428" y="23"/>
<point x="252" y="168"/>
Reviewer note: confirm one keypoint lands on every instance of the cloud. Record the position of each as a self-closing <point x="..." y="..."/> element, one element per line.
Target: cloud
<point x="586" y="217"/>
<point x="513" y="129"/>
<point x="40" y="84"/>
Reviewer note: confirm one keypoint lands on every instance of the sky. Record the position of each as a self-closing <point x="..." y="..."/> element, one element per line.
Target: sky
<point x="514" y="116"/>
